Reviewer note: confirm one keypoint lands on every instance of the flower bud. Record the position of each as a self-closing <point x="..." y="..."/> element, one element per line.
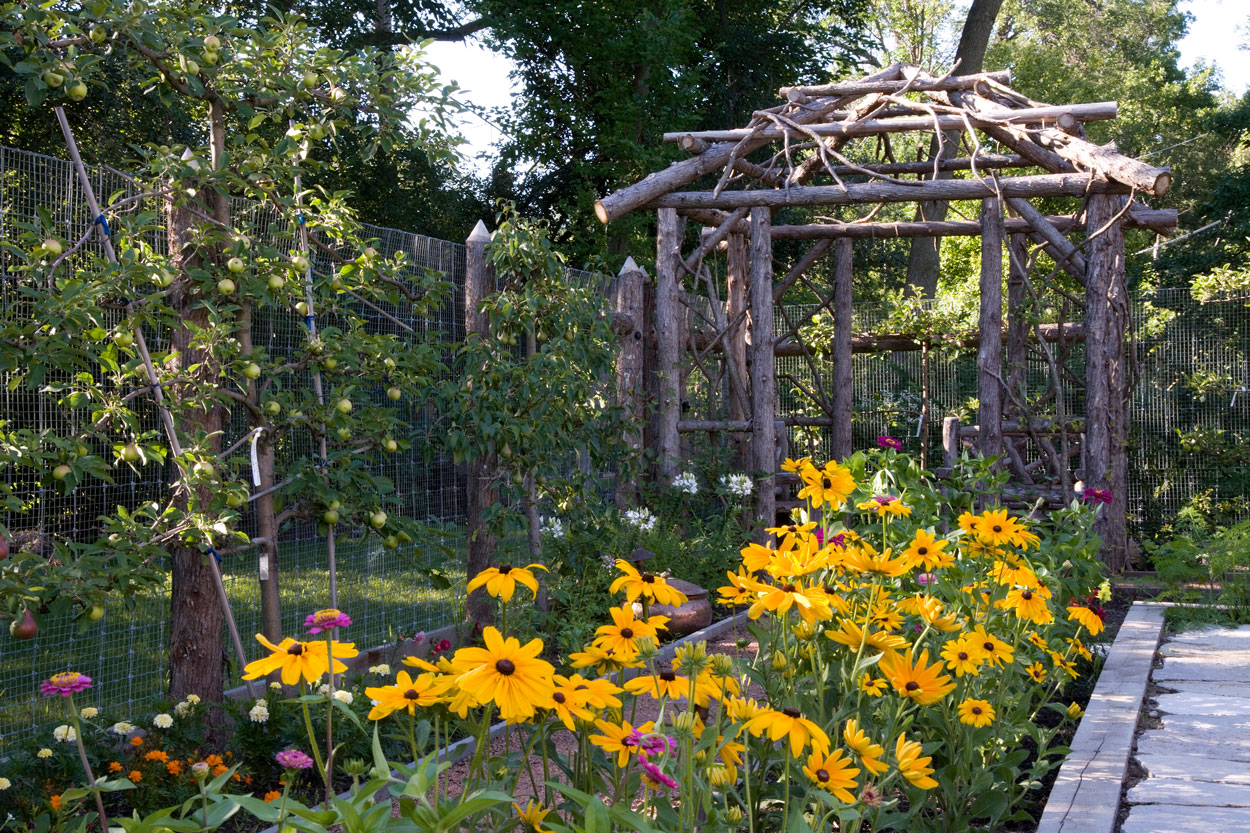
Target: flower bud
<point x="734" y="815"/>
<point x="647" y="649"/>
<point x="683" y="725"/>
<point x="355" y="767"/>
<point x="779" y="661"/>
<point x="722" y="665"/>
<point x="200" y="770"/>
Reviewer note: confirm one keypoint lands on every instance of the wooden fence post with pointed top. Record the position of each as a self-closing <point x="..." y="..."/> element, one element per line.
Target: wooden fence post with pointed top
<point x="668" y="342"/>
<point x="479" y="282"/>
<point x="629" y="373"/>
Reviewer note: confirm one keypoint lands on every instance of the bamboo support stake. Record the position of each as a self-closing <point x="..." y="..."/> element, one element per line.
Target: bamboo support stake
<point x="843" y="378"/>
<point x="763" y="371"/>
<point x="668" y="340"/>
<point x="990" y="351"/>
<point x="141" y="346"/>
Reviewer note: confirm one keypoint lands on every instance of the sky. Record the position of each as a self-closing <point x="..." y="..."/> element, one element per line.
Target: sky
<point x="1215" y="32"/>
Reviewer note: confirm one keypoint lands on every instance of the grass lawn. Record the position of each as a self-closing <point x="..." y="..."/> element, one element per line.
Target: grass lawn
<point x="384" y="591"/>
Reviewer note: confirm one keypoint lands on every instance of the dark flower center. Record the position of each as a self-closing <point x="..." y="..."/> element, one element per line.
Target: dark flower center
<point x="790" y="711"/>
<point x="787" y="588"/>
<point x="989" y="646"/>
<point x="296" y="650"/>
<point x="648" y="578"/>
<point x="505" y="569"/>
<point x="822" y="775"/>
<point x="411" y="694"/>
<point x="668" y="676"/>
<point x="997" y="528"/>
<point x="627" y="633"/>
<point x="581" y="688"/>
<point x="912" y="685"/>
<point x="976" y="709"/>
<point x="923" y="551"/>
<point x="826" y="483"/>
<point x="963" y="654"/>
<point x="558" y="697"/>
<point x="1027" y="595"/>
<point x="792" y="528"/>
<point x="505" y="667"/>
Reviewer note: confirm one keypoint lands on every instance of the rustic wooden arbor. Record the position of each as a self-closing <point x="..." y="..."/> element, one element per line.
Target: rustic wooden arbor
<point x="734" y="343"/>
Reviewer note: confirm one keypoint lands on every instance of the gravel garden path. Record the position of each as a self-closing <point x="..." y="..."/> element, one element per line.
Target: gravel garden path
<point x="1196" y="754"/>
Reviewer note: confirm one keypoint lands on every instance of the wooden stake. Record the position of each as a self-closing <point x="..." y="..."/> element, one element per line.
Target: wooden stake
<point x="763" y="372"/>
<point x="843" y="298"/>
<point x="479" y="282"/>
<point x="668" y="340"/>
<point x="990" y="352"/>
<point x="736" y="340"/>
<point x="629" y="370"/>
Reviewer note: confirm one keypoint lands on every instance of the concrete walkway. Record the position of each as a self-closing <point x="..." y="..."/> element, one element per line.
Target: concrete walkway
<point x="1198" y="761"/>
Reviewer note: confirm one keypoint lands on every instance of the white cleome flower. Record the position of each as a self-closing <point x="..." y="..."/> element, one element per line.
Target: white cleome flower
<point x="380" y="669"/>
<point x="686" y="482"/>
<point x="88" y="712"/>
<point x="65" y="734"/>
<point x="121" y="728"/>
<point x="343" y="696"/>
<point x="738" y="485"/>
<point x="641" y="518"/>
<point x="553" y="527"/>
<point x="162" y="721"/>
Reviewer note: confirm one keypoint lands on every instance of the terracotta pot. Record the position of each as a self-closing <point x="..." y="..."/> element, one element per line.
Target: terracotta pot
<point x="694" y="615"/>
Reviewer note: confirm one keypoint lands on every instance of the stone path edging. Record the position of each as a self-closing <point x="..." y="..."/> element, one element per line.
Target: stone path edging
<point x="1086" y="794"/>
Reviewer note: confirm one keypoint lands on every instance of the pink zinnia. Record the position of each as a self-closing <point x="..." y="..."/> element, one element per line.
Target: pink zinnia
<point x="655" y="776"/>
<point x="293" y="759"/>
<point x="889" y="442"/>
<point x="65" y="684"/>
<point x="1098" y="496"/>
<point x="324" y="620"/>
<point x="926" y="578"/>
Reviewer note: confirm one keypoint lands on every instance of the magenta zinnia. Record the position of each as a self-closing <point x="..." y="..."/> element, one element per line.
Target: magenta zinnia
<point x="324" y="620"/>
<point x="293" y="759"/>
<point x="65" y="684"/>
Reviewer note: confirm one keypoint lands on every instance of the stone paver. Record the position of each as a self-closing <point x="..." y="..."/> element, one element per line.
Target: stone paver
<point x="1197" y="762"/>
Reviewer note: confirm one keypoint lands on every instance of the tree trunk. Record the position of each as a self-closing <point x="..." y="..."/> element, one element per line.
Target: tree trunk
<point x="924" y="261"/>
<point x="990" y="352"/>
<point x="763" y="373"/>
<point x="196" y="651"/>
<point x="843" y="299"/>
<point x="668" y="341"/>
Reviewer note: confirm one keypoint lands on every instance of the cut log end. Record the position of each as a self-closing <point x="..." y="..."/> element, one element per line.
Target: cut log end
<point x="1163" y="183"/>
<point x="601" y="212"/>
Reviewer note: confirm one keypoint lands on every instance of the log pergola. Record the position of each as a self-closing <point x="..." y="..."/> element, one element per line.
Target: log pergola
<point x="829" y="145"/>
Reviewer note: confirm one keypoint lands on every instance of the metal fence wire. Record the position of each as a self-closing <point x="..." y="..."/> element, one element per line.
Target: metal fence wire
<point x="1190" y="420"/>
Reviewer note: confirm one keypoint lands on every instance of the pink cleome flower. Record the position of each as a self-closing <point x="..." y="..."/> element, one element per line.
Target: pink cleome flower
<point x="65" y="684"/>
<point x="293" y="759"/>
<point x="324" y="620"/>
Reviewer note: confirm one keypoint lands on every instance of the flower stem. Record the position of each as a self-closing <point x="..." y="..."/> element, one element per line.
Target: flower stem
<point x="86" y="765"/>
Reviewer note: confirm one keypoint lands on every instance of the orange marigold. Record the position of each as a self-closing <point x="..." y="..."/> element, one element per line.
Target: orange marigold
<point x="272" y="795"/>
<point x="135" y="776"/>
<point x="115" y="767"/>
<point x="136" y="741"/>
<point x="156" y="755"/>
<point x="55" y="801"/>
<point x="174" y="767"/>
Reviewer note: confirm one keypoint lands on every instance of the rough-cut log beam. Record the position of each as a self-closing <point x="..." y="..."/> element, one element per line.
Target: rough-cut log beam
<point x="805" y="262"/>
<point x="1060" y="247"/>
<point x="1082" y="153"/>
<point x="668" y="347"/>
<point x="1045" y="185"/>
<point x="843" y="275"/>
<point x="898" y="343"/>
<point x="692" y="426"/>
<point x="959" y="163"/>
<point x="714" y="158"/>
<point x="990" y="350"/>
<point x="763" y="379"/>
<point x="865" y="87"/>
<point x="1015" y="428"/>
<point x="1160" y="220"/>
<point x="1094" y="111"/>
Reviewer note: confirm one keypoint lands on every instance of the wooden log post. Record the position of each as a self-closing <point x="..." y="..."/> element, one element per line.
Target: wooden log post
<point x="1106" y="304"/>
<point x="479" y="282"/>
<point x="629" y="372"/>
<point x="763" y="373"/>
<point x="843" y="298"/>
<point x="736" y="343"/>
<point x="668" y="342"/>
<point x="1017" y="350"/>
<point x="990" y="352"/>
<point x="950" y="441"/>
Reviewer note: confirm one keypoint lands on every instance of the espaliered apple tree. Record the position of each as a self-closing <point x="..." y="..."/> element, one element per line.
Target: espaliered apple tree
<point x="271" y="102"/>
<point x="534" y="395"/>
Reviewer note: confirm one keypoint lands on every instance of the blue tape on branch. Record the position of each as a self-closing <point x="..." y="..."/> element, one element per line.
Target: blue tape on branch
<point x="300" y="217"/>
<point x="103" y="221"/>
<point x="214" y="554"/>
<point x="308" y="322"/>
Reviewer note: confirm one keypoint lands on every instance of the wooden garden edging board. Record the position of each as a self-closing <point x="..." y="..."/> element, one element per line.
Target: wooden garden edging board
<point x="1086" y="794"/>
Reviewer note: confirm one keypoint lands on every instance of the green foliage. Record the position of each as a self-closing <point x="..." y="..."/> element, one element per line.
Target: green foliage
<point x="1206" y="565"/>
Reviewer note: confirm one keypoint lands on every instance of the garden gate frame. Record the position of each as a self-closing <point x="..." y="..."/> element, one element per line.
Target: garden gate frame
<point x="814" y="124"/>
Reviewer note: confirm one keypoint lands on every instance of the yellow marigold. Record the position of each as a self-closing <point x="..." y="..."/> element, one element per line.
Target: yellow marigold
<point x="645" y="585"/>
<point x="507" y="674"/>
<point x="869" y="753"/>
<point x="789" y="723"/>
<point x="832" y="772"/>
<point x="174" y="767"/>
<point x="501" y="581"/>
<point x="976" y="712"/>
<point x="1087" y="619"/>
<point x="911" y="765"/>
<point x="918" y="681"/>
<point x="927" y="549"/>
